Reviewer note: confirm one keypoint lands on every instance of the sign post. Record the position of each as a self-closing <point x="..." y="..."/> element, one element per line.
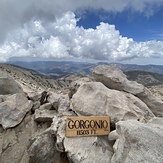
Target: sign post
<point x="87" y="126"/>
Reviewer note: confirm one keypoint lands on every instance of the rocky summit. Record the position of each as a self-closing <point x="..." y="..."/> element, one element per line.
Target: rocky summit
<point x="33" y="121"/>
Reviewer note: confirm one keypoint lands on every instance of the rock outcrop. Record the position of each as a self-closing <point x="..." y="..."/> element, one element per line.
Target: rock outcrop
<point x="114" y="78"/>
<point x="76" y="84"/>
<point x="14" y="142"/>
<point x="32" y="124"/>
<point x="139" y="142"/>
<point x="14" y="109"/>
<point x="95" y="99"/>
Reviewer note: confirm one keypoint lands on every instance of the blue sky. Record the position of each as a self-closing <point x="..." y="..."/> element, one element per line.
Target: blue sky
<point x="125" y="31"/>
<point x="130" y="24"/>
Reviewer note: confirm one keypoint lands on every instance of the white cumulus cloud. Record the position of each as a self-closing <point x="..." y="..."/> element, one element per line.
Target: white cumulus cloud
<point x="14" y="13"/>
<point x="62" y="38"/>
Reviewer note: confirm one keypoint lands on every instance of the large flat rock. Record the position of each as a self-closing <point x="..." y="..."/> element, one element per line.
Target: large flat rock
<point x="113" y="78"/>
<point x="94" y="98"/>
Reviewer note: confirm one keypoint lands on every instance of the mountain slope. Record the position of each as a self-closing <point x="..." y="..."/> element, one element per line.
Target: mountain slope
<point x="31" y="80"/>
<point x="145" y="78"/>
<point x="57" y="69"/>
<point x="70" y="71"/>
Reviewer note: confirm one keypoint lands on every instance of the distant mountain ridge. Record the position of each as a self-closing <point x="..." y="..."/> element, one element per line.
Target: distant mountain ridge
<point x="149" y="68"/>
<point x="57" y="69"/>
<point x="70" y="67"/>
<point x="147" y="75"/>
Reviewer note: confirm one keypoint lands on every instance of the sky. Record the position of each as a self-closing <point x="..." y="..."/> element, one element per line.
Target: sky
<point x="124" y="31"/>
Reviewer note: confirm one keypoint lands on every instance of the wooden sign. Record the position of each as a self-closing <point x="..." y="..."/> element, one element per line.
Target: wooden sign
<point x="87" y="126"/>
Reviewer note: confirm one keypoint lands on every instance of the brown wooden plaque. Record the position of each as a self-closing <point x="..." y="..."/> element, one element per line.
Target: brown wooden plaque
<point x="87" y="126"/>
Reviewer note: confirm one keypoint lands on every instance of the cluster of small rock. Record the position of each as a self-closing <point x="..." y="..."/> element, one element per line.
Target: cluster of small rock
<point x="33" y="123"/>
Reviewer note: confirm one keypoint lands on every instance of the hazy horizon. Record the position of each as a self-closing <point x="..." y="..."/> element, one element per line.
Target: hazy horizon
<point x="29" y="59"/>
